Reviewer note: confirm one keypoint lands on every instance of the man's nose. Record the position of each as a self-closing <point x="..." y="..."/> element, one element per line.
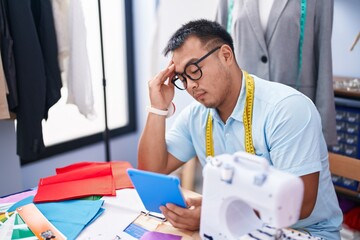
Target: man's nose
<point x="191" y="84"/>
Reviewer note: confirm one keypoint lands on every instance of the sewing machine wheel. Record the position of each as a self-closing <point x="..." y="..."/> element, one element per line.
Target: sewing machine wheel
<point x="237" y="216"/>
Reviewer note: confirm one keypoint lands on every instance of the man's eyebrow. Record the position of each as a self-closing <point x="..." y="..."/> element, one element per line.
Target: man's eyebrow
<point x="192" y="60"/>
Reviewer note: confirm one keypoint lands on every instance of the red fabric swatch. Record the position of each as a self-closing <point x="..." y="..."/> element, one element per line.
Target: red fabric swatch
<point x="119" y="168"/>
<point x="84" y="179"/>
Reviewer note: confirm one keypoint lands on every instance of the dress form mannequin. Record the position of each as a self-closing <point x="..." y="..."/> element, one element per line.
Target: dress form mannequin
<point x="267" y="38"/>
<point x="264" y="12"/>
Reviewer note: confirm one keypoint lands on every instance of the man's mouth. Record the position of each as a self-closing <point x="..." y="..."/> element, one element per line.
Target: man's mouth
<point x="199" y="95"/>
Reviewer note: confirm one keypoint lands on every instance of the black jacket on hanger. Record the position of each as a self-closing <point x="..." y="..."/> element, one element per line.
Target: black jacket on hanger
<point x="7" y="56"/>
<point x="38" y="76"/>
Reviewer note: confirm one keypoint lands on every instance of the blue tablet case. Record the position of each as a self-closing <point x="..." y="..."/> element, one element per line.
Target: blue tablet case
<point x="156" y="189"/>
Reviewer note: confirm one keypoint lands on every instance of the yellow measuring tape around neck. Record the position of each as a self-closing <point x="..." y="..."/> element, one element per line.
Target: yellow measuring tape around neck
<point x="247" y="119"/>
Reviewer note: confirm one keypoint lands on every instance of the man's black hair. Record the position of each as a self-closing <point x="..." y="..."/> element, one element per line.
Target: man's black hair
<point x="209" y="32"/>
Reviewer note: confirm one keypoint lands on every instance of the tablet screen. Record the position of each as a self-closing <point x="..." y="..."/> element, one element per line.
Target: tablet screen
<point x="156" y="189"/>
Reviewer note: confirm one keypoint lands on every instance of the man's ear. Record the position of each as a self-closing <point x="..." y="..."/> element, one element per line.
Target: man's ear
<point x="227" y="54"/>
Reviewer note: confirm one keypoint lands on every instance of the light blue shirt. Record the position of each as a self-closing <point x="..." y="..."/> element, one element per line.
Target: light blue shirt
<point x="286" y="130"/>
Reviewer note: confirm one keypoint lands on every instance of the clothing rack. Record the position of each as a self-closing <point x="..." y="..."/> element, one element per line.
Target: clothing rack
<point x="106" y="130"/>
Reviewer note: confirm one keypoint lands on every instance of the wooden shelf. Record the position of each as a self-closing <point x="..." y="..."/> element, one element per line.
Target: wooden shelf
<point x="348" y="192"/>
<point x="347" y="94"/>
<point x="347" y="167"/>
<point x="344" y="166"/>
<point x="343" y="88"/>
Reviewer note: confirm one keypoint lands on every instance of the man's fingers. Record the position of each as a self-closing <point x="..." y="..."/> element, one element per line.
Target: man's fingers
<point x="177" y="210"/>
<point x="194" y="201"/>
<point x="176" y="220"/>
<point x="164" y="74"/>
<point x="183" y="218"/>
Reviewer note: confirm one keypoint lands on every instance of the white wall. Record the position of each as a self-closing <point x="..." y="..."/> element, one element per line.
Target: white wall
<point x="10" y="172"/>
<point x="346" y="27"/>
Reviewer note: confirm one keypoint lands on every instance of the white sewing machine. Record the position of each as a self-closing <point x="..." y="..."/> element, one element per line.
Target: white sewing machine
<point x="235" y="185"/>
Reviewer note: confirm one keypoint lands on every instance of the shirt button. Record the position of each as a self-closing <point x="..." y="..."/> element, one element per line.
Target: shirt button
<point x="264" y="59"/>
<point x="227" y="135"/>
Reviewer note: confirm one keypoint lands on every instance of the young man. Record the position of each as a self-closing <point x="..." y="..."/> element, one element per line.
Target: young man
<point x="282" y="124"/>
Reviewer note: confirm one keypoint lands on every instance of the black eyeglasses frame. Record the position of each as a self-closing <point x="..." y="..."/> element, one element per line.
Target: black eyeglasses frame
<point x="185" y="75"/>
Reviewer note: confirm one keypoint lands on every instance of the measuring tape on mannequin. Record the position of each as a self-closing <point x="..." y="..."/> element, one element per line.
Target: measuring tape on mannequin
<point x="229" y="19"/>
<point x="301" y="37"/>
<point x="247" y="119"/>
<point x="301" y="40"/>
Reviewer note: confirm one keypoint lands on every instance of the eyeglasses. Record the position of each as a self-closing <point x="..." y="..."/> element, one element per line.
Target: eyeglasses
<point x="192" y="71"/>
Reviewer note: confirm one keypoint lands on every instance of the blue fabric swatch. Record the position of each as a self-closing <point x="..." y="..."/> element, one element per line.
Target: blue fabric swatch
<point x="69" y="217"/>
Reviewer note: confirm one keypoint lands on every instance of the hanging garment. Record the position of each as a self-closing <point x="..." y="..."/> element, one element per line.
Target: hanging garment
<point x="4" y="109"/>
<point x="7" y="55"/>
<point x="79" y="83"/>
<point x="61" y="14"/>
<point x="274" y="55"/>
<point x="37" y="70"/>
<point x="73" y="54"/>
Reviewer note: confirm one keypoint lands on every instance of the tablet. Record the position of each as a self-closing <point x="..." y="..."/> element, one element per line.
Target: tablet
<point x="156" y="189"/>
